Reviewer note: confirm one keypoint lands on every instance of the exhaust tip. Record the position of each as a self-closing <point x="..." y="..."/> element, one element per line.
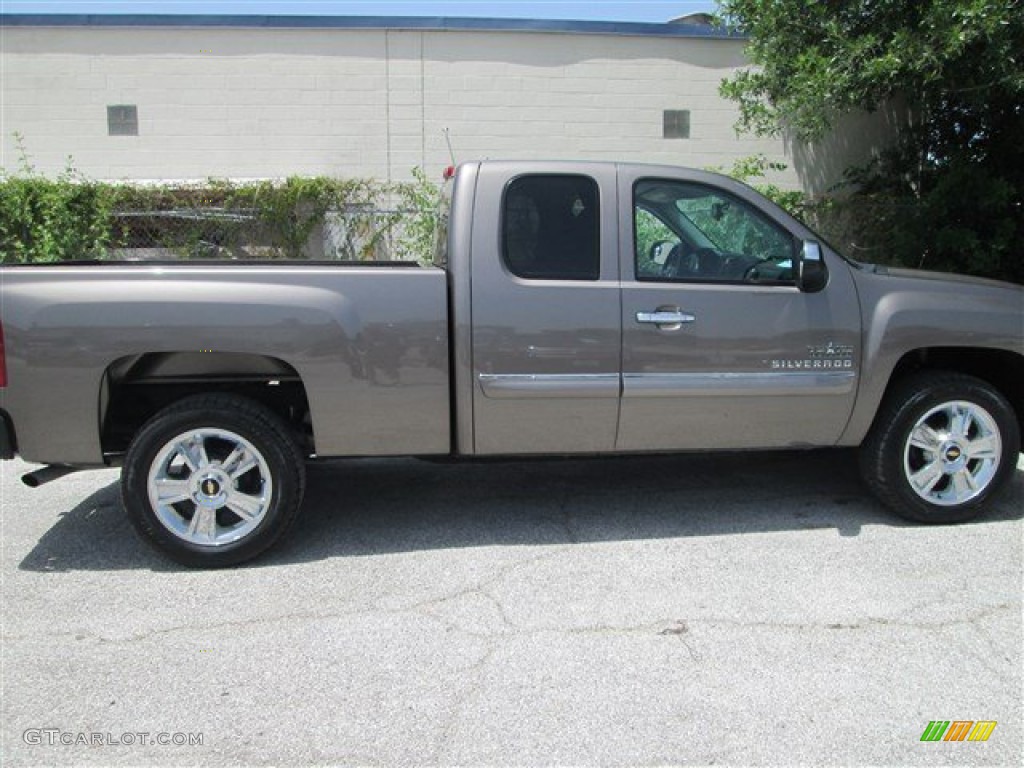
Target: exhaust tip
<point x="46" y="474"/>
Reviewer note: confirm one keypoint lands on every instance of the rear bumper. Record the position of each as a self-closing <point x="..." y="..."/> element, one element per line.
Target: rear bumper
<point x="7" y="442"/>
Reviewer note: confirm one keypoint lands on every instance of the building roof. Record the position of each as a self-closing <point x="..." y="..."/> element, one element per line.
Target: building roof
<point x="698" y="19"/>
<point x="683" y="30"/>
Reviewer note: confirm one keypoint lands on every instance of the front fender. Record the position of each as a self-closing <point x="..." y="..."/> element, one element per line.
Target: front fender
<point x="908" y="313"/>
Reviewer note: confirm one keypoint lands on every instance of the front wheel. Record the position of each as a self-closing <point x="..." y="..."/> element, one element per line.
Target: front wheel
<point x="942" y="445"/>
<point x="213" y="480"/>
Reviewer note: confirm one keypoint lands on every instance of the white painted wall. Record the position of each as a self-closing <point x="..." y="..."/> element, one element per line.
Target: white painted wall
<point x="256" y="103"/>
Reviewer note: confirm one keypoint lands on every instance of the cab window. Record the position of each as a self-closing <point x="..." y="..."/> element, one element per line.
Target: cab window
<point x="551" y="228"/>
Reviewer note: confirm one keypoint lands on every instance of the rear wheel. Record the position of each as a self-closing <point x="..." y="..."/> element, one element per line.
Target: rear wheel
<point x="213" y="480"/>
<point x="942" y="445"/>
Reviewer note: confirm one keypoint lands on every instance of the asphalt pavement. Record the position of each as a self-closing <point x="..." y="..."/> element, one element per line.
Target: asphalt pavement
<point x="740" y="609"/>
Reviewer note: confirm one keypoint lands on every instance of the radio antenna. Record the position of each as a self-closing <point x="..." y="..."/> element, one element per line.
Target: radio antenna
<point x="448" y="141"/>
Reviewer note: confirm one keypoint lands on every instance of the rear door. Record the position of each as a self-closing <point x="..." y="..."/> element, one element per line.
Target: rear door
<point x="720" y="347"/>
<point x="546" y="335"/>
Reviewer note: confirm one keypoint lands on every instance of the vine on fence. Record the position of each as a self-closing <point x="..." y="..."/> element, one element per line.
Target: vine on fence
<point x="71" y="218"/>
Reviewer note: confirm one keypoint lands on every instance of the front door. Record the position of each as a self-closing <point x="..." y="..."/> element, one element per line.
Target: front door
<point x="720" y="347"/>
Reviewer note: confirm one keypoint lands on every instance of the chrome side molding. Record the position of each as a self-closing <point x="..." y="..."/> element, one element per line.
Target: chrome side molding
<point x="754" y="384"/>
<point x="523" y="386"/>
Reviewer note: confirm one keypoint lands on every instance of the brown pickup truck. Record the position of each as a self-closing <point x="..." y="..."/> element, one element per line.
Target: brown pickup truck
<point x="575" y="308"/>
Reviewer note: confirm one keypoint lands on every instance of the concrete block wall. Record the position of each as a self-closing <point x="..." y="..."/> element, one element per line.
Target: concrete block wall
<point x="582" y="97"/>
<point x="264" y="102"/>
<point x="234" y="103"/>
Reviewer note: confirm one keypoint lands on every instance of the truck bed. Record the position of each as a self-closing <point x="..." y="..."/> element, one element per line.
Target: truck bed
<point x="366" y="343"/>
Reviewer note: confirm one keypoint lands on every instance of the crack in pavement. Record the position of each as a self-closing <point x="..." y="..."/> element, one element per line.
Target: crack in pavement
<point x="517" y="631"/>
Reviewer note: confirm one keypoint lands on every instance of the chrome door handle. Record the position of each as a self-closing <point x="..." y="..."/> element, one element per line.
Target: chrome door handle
<point x="666" y="319"/>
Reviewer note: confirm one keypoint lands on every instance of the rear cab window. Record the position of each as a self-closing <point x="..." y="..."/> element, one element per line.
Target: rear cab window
<point x="550" y="227"/>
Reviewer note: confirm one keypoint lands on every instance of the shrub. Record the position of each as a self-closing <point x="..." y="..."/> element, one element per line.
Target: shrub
<point x="44" y="220"/>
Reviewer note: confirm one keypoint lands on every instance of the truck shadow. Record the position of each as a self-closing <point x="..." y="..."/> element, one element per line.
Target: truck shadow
<point x="370" y="507"/>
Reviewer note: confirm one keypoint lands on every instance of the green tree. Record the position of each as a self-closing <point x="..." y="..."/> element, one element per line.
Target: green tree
<point x="950" y="193"/>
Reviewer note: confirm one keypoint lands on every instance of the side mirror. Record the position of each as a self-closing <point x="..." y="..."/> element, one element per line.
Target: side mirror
<point x="812" y="274"/>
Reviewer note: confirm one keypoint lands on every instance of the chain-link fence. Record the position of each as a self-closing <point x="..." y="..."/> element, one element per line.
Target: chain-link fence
<point x="299" y="218"/>
<point x="355" y="234"/>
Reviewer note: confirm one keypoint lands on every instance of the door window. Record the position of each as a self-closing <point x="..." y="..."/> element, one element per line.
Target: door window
<point x="692" y="232"/>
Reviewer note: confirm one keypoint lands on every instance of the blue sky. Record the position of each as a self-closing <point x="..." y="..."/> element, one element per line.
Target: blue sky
<point x="604" y="10"/>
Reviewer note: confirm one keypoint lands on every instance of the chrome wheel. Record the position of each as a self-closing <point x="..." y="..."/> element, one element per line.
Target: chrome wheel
<point x="952" y="453"/>
<point x="210" y="487"/>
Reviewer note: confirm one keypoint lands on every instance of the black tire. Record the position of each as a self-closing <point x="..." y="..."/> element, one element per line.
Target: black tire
<point x="231" y="514"/>
<point x="962" y="468"/>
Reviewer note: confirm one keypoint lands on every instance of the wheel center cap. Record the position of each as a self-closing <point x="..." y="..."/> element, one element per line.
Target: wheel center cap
<point x="210" y="490"/>
<point x="954" y="456"/>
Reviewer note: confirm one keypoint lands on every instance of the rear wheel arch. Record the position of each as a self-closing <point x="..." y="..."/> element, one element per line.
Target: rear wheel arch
<point x="135" y="388"/>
